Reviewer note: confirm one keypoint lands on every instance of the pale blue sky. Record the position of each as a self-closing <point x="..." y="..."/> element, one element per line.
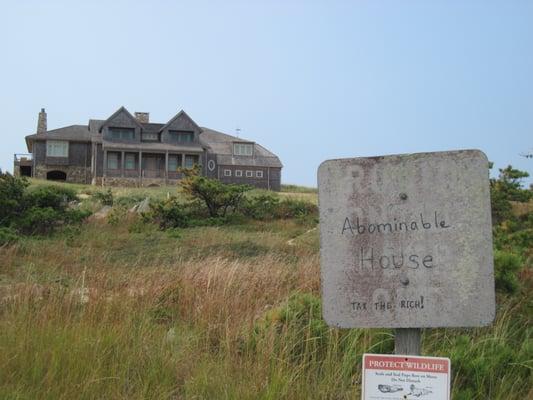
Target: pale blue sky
<point x="309" y="80"/>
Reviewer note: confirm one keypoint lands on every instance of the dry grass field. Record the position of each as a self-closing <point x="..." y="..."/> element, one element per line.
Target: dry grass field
<point x="126" y="311"/>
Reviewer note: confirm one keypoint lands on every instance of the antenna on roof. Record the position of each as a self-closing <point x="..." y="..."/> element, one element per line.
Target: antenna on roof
<point x="238" y="131"/>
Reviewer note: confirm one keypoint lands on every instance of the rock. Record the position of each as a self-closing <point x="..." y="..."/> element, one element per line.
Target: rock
<point x="102" y="213"/>
<point x="133" y="209"/>
<point x="73" y="204"/>
<point x="144" y="206"/>
<point x="83" y="196"/>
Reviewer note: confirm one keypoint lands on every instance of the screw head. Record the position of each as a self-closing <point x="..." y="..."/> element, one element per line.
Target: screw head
<point x="404" y="280"/>
<point x="403" y="196"/>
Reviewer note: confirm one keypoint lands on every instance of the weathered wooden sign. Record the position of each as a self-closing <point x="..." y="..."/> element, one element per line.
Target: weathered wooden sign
<point x="387" y="377"/>
<point x="406" y="241"/>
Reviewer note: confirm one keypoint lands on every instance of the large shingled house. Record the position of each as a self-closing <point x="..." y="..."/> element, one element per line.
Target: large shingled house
<point x="129" y="150"/>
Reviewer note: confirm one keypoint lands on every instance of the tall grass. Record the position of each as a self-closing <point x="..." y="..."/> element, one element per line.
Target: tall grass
<point x="111" y="312"/>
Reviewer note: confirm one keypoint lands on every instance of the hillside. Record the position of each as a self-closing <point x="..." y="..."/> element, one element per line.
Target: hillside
<point x="118" y="307"/>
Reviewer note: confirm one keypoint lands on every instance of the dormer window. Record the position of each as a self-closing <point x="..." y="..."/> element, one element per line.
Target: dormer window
<point x="181" y="136"/>
<point x="122" y="133"/>
<point x="243" y="149"/>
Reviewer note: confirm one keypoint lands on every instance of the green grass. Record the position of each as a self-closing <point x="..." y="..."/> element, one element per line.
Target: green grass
<point x="125" y="311"/>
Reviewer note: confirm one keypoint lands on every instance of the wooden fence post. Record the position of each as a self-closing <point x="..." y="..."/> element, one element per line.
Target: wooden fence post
<point x="407" y="341"/>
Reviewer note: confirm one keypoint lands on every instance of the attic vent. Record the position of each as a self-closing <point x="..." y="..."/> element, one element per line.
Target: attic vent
<point x="142" y="117"/>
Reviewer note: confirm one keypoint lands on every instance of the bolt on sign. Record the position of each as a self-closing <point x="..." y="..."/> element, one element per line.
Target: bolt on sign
<point x="406" y="241"/>
<point x="398" y="377"/>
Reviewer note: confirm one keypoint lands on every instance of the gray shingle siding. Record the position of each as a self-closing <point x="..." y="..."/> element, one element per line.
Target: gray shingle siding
<point x="214" y="151"/>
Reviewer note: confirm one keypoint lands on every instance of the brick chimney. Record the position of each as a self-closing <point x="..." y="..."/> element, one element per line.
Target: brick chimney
<point x="142" y="117"/>
<point x="41" y="122"/>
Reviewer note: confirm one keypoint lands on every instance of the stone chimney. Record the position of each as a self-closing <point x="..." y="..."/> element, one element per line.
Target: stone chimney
<point x="41" y="122"/>
<point x="142" y="117"/>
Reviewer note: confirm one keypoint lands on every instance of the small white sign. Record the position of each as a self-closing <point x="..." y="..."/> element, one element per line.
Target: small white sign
<point x="396" y="377"/>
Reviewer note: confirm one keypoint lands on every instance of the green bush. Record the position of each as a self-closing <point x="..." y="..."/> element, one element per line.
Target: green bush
<point x="36" y="210"/>
<point x="261" y="207"/>
<point x="294" y="208"/>
<point x="168" y="214"/>
<point x="38" y="220"/>
<point x="55" y="197"/>
<point x="12" y="202"/>
<point x="268" y="207"/>
<point x="7" y="235"/>
<point x="506" y="266"/>
<point x="105" y="198"/>
<point x="218" y="197"/>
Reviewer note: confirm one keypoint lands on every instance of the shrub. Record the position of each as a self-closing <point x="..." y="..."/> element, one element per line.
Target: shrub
<point x="106" y="198"/>
<point x="7" y="235"/>
<point x="268" y="206"/>
<point x="12" y="204"/>
<point x="55" y="197"/>
<point x="261" y="207"/>
<point x="217" y="196"/>
<point x="169" y="213"/>
<point x="506" y="266"/>
<point x="39" y="220"/>
<point x="294" y="208"/>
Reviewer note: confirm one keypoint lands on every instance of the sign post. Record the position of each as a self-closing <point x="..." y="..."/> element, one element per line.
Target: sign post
<point x="406" y="243"/>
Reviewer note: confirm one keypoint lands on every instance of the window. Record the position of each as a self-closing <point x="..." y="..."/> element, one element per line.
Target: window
<point x="112" y="160"/>
<point x="227" y="172"/>
<point x="174" y="162"/>
<point x="122" y="133"/>
<point x="129" y="161"/>
<point x="150" y="136"/>
<point x="56" y="148"/>
<point x="249" y="174"/>
<point x="181" y="136"/>
<point x="243" y="149"/>
<point x="238" y="173"/>
<point x="191" y="160"/>
<point x="258" y="174"/>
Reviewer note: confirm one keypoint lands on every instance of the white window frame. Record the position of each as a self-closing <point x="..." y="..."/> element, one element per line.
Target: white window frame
<point x="258" y="174"/>
<point x="238" y="173"/>
<point x="243" y="149"/>
<point x="249" y="174"/>
<point x="227" y="172"/>
<point x="57" y="148"/>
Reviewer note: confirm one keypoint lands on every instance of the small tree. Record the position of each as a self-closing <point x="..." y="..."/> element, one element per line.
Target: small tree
<point x="507" y="188"/>
<point x="217" y="196"/>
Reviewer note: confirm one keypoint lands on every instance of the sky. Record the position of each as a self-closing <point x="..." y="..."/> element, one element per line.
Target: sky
<point x="309" y="80"/>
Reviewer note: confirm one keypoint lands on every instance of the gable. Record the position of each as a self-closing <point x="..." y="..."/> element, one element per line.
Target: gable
<point x="182" y="122"/>
<point x="121" y="118"/>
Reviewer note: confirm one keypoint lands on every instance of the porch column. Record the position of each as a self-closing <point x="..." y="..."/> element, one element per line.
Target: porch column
<point x="122" y="164"/>
<point x="183" y="160"/>
<point x="166" y="167"/>
<point x="140" y="167"/>
<point x="105" y="164"/>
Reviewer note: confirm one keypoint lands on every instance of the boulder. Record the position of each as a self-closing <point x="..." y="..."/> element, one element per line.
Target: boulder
<point x="144" y="206"/>
<point x="102" y="213"/>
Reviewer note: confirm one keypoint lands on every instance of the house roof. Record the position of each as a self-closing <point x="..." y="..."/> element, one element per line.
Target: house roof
<point x="216" y="142"/>
<point x="222" y="145"/>
<point x="78" y="133"/>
